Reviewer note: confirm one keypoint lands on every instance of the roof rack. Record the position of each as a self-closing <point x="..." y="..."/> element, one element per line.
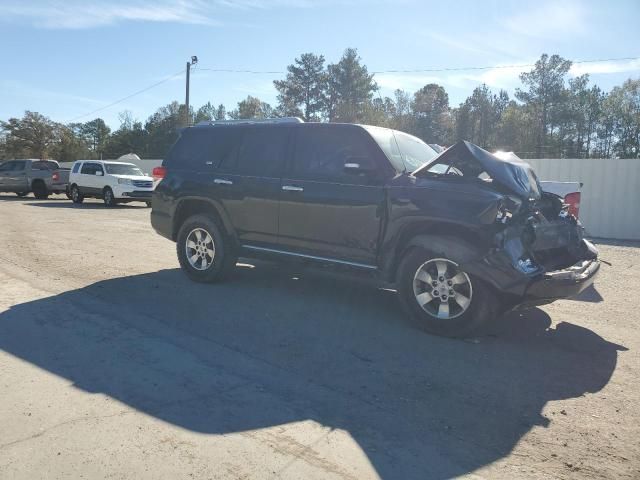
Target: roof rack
<point x="250" y="121"/>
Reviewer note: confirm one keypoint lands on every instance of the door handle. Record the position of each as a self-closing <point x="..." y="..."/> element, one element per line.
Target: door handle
<point x="222" y="181"/>
<point x="291" y="188"/>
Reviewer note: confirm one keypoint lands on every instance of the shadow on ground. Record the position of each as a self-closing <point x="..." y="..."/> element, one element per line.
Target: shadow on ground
<point x="84" y="205"/>
<point x="269" y="348"/>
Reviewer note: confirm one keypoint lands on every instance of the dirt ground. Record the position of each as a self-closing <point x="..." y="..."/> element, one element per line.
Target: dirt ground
<point x="114" y="365"/>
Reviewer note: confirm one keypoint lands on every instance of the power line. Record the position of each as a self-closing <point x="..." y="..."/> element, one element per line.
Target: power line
<point x="422" y="70"/>
<point x="278" y="72"/>
<point x="128" y="96"/>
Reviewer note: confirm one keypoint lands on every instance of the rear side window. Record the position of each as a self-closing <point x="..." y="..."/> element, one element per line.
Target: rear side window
<point x="91" y="168"/>
<point x="322" y="152"/>
<point x="43" y="166"/>
<point x="76" y="167"/>
<point x="261" y="153"/>
<point x="203" y="148"/>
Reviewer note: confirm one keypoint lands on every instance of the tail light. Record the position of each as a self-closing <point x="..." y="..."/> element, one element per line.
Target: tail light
<point x="159" y="173"/>
<point x="55" y="176"/>
<point x="573" y="200"/>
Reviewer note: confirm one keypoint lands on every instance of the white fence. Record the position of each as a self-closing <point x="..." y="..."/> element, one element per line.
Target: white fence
<point x="610" y="201"/>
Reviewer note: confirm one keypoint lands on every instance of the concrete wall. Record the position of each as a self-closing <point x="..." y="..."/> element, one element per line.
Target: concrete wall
<point x="610" y="201"/>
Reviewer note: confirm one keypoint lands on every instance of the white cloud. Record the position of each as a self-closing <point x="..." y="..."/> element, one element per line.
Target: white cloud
<point x="619" y="66"/>
<point x="550" y="20"/>
<point x="74" y="14"/>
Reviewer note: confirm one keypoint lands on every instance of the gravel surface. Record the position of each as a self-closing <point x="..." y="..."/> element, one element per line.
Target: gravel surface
<point x="114" y="365"/>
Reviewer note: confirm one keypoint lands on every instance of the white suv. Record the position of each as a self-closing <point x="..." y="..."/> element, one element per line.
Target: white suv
<point x="114" y="182"/>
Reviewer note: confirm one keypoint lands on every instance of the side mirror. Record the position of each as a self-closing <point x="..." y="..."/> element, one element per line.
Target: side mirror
<point x="99" y="173"/>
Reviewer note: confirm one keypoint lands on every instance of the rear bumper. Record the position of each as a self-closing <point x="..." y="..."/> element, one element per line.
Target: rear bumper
<point x="161" y="223"/>
<point x="565" y="283"/>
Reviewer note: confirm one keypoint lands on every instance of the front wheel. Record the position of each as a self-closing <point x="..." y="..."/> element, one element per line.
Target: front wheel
<point x="108" y="198"/>
<point x="440" y="296"/>
<point x="204" y="253"/>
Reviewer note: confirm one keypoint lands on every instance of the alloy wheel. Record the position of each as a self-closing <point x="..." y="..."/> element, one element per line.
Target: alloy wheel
<point x="200" y="249"/>
<point x="442" y="289"/>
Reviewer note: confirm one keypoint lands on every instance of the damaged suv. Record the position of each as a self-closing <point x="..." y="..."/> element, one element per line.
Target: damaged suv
<point x="462" y="235"/>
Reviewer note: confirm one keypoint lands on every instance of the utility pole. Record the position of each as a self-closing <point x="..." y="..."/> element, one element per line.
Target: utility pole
<point x="193" y="61"/>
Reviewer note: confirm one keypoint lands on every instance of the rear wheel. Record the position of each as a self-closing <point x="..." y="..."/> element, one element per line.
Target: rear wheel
<point x="204" y="253"/>
<point x="76" y="196"/>
<point x="108" y="198"/>
<point x="440" y="296"/>
<point x="40" y="190"/>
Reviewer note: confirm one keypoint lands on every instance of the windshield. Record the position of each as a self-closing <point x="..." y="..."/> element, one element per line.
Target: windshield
<point x="406" y="152"/>
<point x="123" y="169"/>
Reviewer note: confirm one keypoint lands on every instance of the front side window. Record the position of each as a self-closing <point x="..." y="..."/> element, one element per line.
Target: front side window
<point x="7" y="167"/>
<point x="120" y="169"/>
<point x="322" y="152"/>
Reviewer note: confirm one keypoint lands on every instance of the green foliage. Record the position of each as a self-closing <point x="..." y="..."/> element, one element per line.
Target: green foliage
<point x="551" y="115"/>
<point x="29" y="136"/>
<point x="252" y="107"/>
<point x="303" y="92"/>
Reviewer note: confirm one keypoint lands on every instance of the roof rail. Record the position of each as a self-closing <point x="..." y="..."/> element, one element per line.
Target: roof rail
<point x="250" y="121"/>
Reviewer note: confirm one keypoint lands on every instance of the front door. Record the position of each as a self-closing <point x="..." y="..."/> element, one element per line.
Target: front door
<point x="13" y="177"/>
<point x="328" y="210"/>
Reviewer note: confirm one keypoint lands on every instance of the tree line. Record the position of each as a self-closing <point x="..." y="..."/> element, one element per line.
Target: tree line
<point x="550" y="115"/>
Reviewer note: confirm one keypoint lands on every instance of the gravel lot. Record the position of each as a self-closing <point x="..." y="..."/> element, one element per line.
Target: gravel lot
<point x="114" y="365"/>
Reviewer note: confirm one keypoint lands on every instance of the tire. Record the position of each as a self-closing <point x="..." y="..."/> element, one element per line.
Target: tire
<point x="40" y="190"/>
<point x="469" y="300"/>
<point x="148" y="204"/>
<point x="68" y="194"/>
<point x="76" y="196"/>
<point x="108" y="198"/>
<point x="22" y="194"/>
<point x="202" y="232"/>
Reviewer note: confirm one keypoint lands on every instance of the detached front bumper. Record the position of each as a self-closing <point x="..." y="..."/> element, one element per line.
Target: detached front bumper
<point x="565" y="283"/>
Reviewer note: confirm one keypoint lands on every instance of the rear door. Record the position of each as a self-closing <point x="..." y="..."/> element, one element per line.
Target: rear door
<point x="88" y="182"/>
<point x="247" y="182"/>
<point x="328" y="210"/>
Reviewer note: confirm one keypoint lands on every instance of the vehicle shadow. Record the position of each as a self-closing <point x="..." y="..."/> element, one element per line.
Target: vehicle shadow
<point x="268" y="348"/>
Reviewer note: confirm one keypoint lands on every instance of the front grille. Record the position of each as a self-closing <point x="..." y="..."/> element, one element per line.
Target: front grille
<point x="143" y="183"/>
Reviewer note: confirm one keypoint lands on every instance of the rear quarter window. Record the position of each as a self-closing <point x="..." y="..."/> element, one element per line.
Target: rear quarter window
<point x="203" y="148"/>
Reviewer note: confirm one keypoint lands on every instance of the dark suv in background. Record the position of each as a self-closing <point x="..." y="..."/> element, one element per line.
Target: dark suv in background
<point x="462" y="235"/>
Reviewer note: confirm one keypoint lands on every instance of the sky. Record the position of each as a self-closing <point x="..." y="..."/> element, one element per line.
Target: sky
<point x="67" y="58"/>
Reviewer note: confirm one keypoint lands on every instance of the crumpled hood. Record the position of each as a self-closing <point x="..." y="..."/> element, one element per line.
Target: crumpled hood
<point x="509" y="171"/>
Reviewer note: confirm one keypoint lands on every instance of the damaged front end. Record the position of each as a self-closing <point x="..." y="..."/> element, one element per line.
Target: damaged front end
<point x="545" y="244"/>
<point x="538" y="253"/>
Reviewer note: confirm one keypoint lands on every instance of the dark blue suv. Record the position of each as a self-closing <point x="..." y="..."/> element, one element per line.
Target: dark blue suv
<point x="462" y="235"/>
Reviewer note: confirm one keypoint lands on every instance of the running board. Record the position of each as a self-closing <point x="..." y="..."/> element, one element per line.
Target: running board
<point x="310" y="257"/>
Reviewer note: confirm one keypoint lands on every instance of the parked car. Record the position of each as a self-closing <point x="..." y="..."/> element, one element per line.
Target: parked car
<point x="42" y="177"/>
<point x="113" y="182"/>
<point x="461" y="236"/>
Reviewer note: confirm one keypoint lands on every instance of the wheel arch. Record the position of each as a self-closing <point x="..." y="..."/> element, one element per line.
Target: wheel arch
<point x="190" y="206"/>
<point x="462" y="243"/>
